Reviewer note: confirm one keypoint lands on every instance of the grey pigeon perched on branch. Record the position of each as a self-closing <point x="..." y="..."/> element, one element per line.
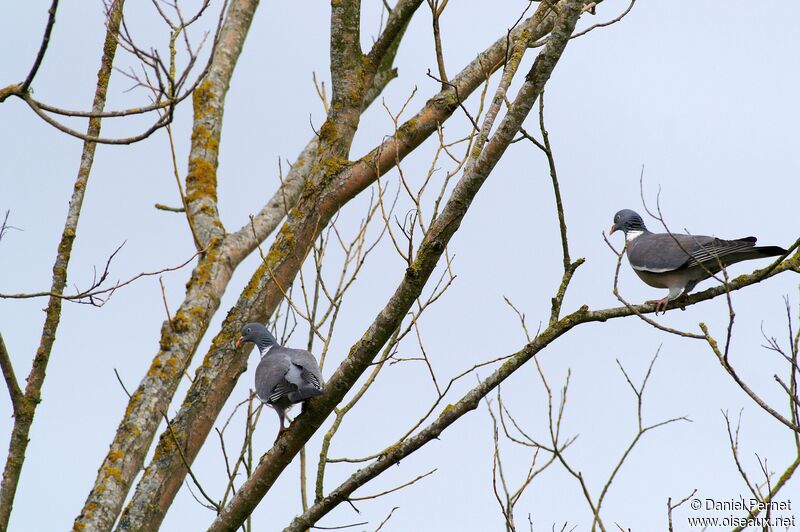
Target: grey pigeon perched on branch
<point x="679" y="262"/>
<point x="284" y="376"/>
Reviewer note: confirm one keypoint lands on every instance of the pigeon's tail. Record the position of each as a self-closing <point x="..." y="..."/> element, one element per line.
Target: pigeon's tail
<point x="768" y="251"/>
<point x="303" y="393"/>
<point x="733" y="251"/>
<point x="759" y="252"/>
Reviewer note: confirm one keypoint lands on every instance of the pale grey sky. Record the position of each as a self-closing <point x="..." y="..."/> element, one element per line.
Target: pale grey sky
<point x="703" y="94"/>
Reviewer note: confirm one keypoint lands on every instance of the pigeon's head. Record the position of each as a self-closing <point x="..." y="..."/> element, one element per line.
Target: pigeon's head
<point x="627" y="220"/>
<point x="258" y="334"/>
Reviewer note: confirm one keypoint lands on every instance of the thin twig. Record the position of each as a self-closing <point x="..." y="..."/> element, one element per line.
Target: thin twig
<point x="91" y="293"/>
<point x="51" y="20"/>
<point x="401" y="486"/>
<point x="11" y="379"/>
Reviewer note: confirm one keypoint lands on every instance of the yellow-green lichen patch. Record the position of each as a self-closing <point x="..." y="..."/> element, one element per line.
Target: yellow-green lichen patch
<point x="741" y="279"/>
<point x="155" y="369"/>
<point x="197" y="312"/>
<point x="220" y="341"/>
<point x="201" y="99"/>
<point x="334" y="165"/>
<point x="163" y="368"/>
<point x="283" y="246"/>
<point x="450" y="98"/>
<point x="201" y="181"/>
<point x="250" y="290"/>
<point x="181" y="322"/>
<point x="328" y="132"/>
<point x="391" y="449"/>
<point x="408" y="129"/>
<point x="165" y="342"/>
<point x="203" y="139"/>
<point x="114" y="472"/>
<point x="133" y="402"/>
<point x="202" y="272"/>
<point x="115" y="456"/>
<point x="166" y="445"/>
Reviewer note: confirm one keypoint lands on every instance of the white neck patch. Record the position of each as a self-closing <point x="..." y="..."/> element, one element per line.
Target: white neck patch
<point x="630" y="235"/>
<point x="265" y="352"/>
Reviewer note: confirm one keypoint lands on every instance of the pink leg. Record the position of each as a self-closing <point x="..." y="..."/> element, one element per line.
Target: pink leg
<point x="661" y="304"/>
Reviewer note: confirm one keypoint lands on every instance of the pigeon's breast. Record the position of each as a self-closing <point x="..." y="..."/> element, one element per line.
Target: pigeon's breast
<point x="674" y="280"/>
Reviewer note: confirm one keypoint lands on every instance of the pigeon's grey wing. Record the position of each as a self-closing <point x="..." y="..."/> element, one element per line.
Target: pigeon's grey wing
<point x="310" y="372"/>
<point x="270" y="374"/>
<point x="726" y="252"/>
<point x="663" y="252"/>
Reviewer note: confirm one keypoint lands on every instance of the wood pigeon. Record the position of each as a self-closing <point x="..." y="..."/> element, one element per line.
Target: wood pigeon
<point x="678" y="262"/>
<point x="284" y="376"/>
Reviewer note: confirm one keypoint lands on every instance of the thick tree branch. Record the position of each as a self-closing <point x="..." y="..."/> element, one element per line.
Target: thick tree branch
<point x="164" y="475"/>
<point x="181" y="335"/>
<point x="242" y="243"/>
<point x="209" y="104"/>
<point x="414" y="131"/>
<point x="222" y="365"/>
<point x="431" y="249"/>
<point x="396" y="25"/>
<point x="345" y="50"/>
<point x="472" y="399"/>
<point x="26" y="407"/>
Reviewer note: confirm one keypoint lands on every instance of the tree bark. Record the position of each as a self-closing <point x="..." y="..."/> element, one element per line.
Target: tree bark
<point x="25" y="407"/>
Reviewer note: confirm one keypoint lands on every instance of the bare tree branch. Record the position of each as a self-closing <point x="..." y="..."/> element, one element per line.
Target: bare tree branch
<point x="168" y="87"/>
<point x="605" y="24"/>
<point x="51" y="20"/>
<point x="91" y="295"/>
<point x="426" y="258"/>
<point x="204" y="290"/>
<point x="14" y="390"/>
<point x="26" y="405"/>
<point x="213" y="272"/>
<point x="222" y="365"/>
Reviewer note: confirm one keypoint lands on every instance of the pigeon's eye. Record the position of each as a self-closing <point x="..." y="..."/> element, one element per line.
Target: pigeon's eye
<point x="247" y="331"/>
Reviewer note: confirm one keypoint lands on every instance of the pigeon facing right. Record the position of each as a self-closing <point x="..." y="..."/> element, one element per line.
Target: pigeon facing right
<point x="678" y="262"/>
<point x="284" y="376"/>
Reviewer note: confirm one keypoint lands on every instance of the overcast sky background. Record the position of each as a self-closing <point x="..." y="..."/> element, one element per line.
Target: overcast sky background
<point x="703" y="94"/>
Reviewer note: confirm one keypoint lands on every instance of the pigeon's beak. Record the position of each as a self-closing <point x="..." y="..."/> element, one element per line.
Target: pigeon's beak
<point x="613" y="228"/>
<point x="239" y="341"/>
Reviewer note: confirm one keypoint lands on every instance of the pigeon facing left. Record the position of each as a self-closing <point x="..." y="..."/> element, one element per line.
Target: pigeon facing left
<point x="284" y="376"/>
<point x="678" y="262"/>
